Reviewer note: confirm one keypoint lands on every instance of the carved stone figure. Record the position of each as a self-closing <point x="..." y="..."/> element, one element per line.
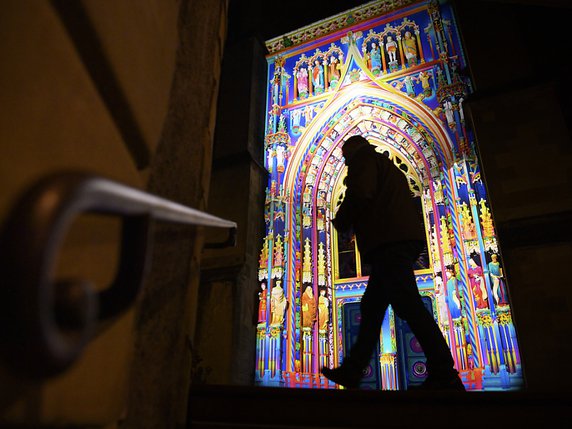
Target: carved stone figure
<point x="278" y="304"/>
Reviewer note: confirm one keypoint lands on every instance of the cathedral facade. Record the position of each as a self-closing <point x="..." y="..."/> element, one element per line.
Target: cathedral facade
<point x="394" y="72"/>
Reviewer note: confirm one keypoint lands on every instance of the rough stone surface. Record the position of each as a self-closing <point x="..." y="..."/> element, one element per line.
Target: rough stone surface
<point x="180" y="171"/>
<point x="237" y="192"/>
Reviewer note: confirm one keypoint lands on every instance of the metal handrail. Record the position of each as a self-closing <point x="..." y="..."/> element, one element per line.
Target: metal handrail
<point x="45" y="324"/>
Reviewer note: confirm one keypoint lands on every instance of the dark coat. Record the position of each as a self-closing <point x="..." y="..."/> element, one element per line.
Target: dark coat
<point x="378" y="202"/>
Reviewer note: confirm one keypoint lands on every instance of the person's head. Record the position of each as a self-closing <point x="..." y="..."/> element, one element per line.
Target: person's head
<point x="352" y="145"/>
<point x="494" y="257"/>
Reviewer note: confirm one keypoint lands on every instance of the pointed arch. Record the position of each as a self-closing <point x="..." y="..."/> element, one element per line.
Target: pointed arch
<point x="420" y="119"/>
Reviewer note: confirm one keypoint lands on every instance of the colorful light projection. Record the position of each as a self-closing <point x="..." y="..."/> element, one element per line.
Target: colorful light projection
<point x="395" y="76"/>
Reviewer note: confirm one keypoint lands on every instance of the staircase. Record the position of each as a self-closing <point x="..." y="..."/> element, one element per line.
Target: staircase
<point x="214" y="407"/>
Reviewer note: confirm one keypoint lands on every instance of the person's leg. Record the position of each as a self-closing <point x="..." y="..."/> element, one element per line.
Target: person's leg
<point x="374" y="302"/>
<point x="373" y="305"/>
<point x="399" y="282"/>
<point x="392" y="281"/>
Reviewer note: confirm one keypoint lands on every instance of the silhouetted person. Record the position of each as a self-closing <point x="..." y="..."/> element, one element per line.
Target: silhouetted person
<point x="379" y="206"/>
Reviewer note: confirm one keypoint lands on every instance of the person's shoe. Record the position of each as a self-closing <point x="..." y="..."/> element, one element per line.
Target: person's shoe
<point x="452" y="382"/>
<point x="344" y="375"/>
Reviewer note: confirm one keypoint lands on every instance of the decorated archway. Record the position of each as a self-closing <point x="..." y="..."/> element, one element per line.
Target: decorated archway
<point x="381" y="79"/>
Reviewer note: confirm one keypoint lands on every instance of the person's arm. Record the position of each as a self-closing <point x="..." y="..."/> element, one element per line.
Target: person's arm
<point x="360" y="192"/>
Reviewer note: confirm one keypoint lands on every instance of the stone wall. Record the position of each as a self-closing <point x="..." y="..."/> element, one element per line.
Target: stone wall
<point x="127" y="90"/>
<point x="229" y="284"/>
<point x="521" y="112"/>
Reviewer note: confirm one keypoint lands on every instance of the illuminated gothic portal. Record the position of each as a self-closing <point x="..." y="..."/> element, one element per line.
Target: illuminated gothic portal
<point x="396" y="77"/>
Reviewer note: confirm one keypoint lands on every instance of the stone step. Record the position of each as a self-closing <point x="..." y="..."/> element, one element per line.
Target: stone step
<point x="279" y="408"/>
